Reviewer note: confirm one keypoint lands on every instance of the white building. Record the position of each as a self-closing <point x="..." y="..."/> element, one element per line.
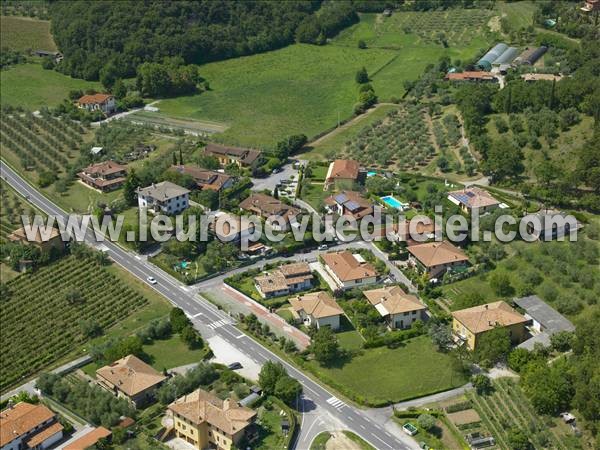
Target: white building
<point x="318" y="309"/>
<point x="163" y="198"/>
<point x="98" y="102"/>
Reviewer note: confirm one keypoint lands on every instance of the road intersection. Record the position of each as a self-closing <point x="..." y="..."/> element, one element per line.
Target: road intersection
<point x="208" y="319"/>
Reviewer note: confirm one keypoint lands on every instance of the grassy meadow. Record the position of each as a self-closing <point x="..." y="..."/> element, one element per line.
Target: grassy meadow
<point x="412" y="370"/>
<point x="306" y="88"/>
<point x="30" y="86"/>
<point x="23" y="33"/>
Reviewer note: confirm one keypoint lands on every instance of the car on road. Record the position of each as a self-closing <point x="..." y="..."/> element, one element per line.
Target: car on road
<point x="322" y="247"/>
<point x="235" y="366"/>
<point x="151" y="280"/>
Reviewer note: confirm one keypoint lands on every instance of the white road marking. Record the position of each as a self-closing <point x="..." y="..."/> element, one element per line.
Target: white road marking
<point x="335" y="402"/>
<point x="199" y="314"/>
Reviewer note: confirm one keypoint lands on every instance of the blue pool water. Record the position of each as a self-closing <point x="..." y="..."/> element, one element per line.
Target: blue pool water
<point x="371" y="174"/>
<point x="393" y="202"/>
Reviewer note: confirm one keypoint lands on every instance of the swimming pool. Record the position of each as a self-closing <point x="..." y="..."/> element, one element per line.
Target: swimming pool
<point x="371" y="174"/>
<point x="393" y="202"/>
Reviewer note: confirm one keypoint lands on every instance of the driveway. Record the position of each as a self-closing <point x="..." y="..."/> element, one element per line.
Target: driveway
<point x="260" y="184"/>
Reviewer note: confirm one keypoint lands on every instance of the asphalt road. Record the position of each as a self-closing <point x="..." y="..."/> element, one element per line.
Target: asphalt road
<point x="205" y="315"/>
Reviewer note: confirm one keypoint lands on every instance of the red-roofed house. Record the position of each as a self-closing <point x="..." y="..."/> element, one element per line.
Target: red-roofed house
<point x="98" y="102"/>
<point x="342" y="171"/>
<point x="27" y="426"/>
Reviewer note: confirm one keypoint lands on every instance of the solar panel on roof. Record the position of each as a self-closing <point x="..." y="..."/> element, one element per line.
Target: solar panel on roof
<point x="352" y="205"/>
<point x="341" y="198"/>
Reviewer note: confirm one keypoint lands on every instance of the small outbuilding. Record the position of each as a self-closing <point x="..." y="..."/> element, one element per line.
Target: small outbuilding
<point x="530" y="56"/>
<point x="492" y="55"/>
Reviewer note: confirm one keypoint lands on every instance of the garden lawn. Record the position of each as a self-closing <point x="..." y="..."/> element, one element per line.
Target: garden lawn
<point x="263" y="98"/>
<point x="165" y="354"/>
<point x="22" y="33"/>
<point x="30" y="86"/>
<point x="412" y="370"/>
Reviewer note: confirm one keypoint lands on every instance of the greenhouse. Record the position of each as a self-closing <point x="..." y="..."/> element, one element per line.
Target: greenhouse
<point x="507" y="57"/>
<point x="486" y="61"/>
<point x="531" y="55"/>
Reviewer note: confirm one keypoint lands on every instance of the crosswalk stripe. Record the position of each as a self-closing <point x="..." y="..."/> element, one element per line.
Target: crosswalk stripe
<point x="335" y="402"/>
<point x="217" y="324"/>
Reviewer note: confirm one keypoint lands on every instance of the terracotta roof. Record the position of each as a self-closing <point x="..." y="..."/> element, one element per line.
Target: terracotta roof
<point x="466" y="76"/>
<point x="93" y="99"/>
<point x="473" y="197"/>
<point x="46" y="433"/>
<point x="353" y="204"/>
<point x="402" y="229"/>
<point x="245" y="155"/>
<point x="206" y="179"/>
<point x="282" y="278"/>
<point x="436" y="253"/>
<point x="201" y="406"/>
<point x="343" y="169"/>
<point x="317" y="304"/>
<point x="20" y="234"/>
<point x="104" y="168"/>
<point x="265" y="206"/>
<point x="163" y="191"/>
<point x="479" y="319"/>
<point x="295" y="269"/>
<point x="232" y="224"/>
<point x="21" y="419"/>
<point x="346" y="267"/>
<point x="89" y="439"/>
<point x="131" y="375"/>
<point x="393" y="300"/>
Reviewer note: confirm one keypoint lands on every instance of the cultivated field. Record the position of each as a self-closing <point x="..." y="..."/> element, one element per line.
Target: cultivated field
<point x="31" y="87"/>
<point x="23" y="33"/>
<point x="402" y="139"/>
<point x="12" y="207"/>
<point x="42" y="312"/>
<point x="508" y="408"/>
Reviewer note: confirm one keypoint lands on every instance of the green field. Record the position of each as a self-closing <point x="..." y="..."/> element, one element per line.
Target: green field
<point x="307" y="89"/>
<point x="50" y="303"/>
<point x="412" y="370"/>
<point x="23" y="33"/>
<point x="30" y="86"/>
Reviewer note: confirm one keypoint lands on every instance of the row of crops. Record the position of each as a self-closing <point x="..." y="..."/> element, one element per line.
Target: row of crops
<point x="507" y="408"/>
<point x="458" y="25"/>
<point x="41" y="142"/>
<point x="12" y="206"/>
<point x="448" y="137"/>
<point x="402" y="138"/>
<point x="41" y="316"/>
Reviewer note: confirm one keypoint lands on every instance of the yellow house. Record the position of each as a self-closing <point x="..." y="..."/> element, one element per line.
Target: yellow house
<point x="206" y="421"/>
<point x="471" y="323"/>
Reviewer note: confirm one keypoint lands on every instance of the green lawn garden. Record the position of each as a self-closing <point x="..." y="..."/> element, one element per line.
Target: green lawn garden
<point x="409" y="371"/>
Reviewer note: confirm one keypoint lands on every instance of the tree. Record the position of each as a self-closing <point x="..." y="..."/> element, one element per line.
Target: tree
<point x="441" y="335"/>
<point x="503" y="160"/>
<point x="549" y="387"/>
<point x="493" y="346"/>
<point x="500" y="283"/>
<point x="362" y="44"/>
<point x="562" y="341"/>
<point x="178" y="320"/>
<point x="482" y="384"/>
<point x="191" y="337"/>
<point x="288" y="389"/>
<point x="518" y="359"/>
<point x="324" y="345"/>
<point x="362" y="76"/>
<point x="517" y="440"/>
<point x="153" y="80"/>
<point x="426" y="421"/>
<point x="269" y="374"/>
<point x="132" y="182"/>
<point x="119" y="90"/>
<point x="90" y="328"/>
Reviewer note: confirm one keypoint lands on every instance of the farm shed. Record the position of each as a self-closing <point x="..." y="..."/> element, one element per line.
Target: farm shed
<point x="530" y="56"/>
<point x="486" y="61"/>
<point x="506" y="57"/>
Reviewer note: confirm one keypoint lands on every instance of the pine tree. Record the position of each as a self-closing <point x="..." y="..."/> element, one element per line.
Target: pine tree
<point x="180" y="157"/>
<point x="131" y="184"/>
